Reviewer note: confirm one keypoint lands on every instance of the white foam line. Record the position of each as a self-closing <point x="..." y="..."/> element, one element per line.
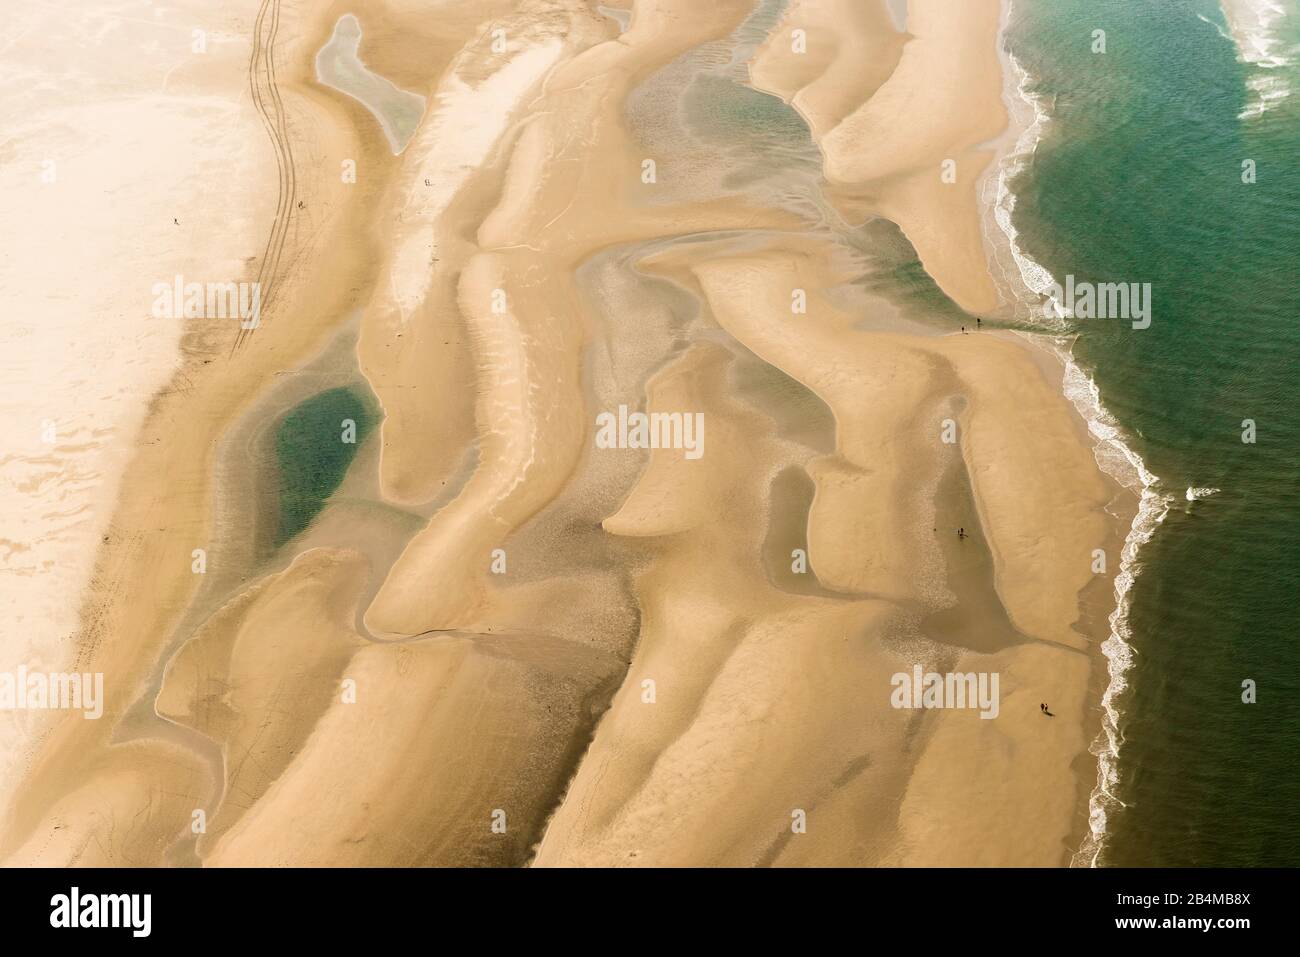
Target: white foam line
<point x="1113" y="454"/>
<point x="1035" y="280"/>
<point x="1035" y="276"/>
<point x="1117" y="459"/>
<point x="1222" y="32"/>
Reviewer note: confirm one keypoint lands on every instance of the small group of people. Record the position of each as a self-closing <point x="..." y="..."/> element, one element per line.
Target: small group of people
<point x="1043" y="708"/>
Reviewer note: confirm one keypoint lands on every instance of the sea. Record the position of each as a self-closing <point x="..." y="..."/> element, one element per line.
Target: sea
<point x="1163" y="147"/>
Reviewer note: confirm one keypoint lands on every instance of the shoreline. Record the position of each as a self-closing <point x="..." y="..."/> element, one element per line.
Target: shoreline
<point x="613" y="834"/>
<point x="1025" y="288"/>
<point x="1019" y="277"/>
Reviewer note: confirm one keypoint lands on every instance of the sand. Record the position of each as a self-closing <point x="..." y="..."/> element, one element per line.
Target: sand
<point x="498" y="644"/>
<point x="766" y="673"/>
<point x="142" y="579"/>
<point x="107" y="182"/>
<point x="940" y="103"/>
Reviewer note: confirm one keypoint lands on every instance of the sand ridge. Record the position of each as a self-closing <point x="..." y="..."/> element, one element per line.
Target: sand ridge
<point x="940" y="103"/>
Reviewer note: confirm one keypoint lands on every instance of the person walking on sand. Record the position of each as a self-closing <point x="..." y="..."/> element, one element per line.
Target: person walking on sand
<point x="961" y="532"/>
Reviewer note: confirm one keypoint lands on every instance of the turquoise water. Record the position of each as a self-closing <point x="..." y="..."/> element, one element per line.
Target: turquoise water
<point x="339" y="65"/>
<point x="1139" y="179"/>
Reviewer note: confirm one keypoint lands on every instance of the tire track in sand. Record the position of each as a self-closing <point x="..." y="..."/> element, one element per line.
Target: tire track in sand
<point x="266" y="98"/>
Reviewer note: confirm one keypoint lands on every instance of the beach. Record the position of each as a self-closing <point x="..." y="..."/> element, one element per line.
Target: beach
<point x="484" y="635"/>
<point x="106" y="179"/>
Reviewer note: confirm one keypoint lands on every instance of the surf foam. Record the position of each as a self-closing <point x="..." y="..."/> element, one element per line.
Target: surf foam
<point x="1111" y="448"/>
<point x="1031" y="282"/>
<point x="1115" y="457"/>
<point x="1256" y="27"/>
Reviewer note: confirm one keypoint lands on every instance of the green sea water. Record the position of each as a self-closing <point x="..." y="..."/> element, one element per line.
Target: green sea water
<point x="1139" y="178"/>
<point x="313" y="454"/>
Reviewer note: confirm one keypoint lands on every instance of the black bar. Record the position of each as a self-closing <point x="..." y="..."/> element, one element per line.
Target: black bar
<point x="587" y="908"/>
